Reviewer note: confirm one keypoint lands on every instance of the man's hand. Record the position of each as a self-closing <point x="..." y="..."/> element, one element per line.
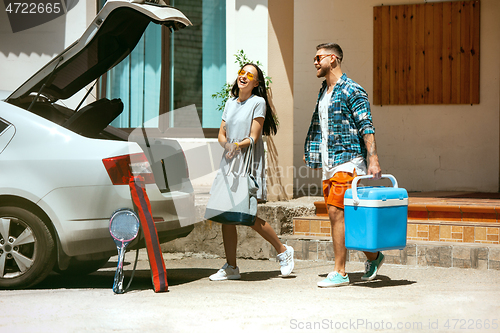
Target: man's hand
<point x="374" y="168"/>
<point x="373" y="164"/>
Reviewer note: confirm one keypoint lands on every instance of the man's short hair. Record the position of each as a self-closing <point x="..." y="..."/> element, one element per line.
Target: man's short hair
<point x="334" y="48"/>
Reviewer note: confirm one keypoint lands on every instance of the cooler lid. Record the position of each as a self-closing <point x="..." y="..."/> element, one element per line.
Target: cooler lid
<point x="378" y="196"/>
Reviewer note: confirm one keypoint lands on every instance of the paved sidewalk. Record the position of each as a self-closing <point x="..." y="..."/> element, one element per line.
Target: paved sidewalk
<point x="415" y="297"/>
<point x="402" y="299"/>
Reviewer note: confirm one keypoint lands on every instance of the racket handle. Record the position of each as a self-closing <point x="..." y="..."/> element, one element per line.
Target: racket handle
<point x="118" y="282"/>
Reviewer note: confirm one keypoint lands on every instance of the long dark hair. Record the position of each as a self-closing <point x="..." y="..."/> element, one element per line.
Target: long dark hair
<point x="270" y="127"/>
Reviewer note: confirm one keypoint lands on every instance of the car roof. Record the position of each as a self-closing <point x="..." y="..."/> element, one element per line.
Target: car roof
<point x="4" y="94"/>
<point x="110" y="38"/>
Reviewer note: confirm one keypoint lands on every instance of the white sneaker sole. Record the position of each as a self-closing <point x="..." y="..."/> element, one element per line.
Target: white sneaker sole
<point x="230" y="277"/>
<point x="333" y="285"/>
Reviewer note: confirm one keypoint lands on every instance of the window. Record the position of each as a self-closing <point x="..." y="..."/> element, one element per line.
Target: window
<point x="3" y="126"/>
<point x="136" y="81"/>
<point x="426" y="53"/>
<point x="167" y="71"/>
<point x="198" y="60"/>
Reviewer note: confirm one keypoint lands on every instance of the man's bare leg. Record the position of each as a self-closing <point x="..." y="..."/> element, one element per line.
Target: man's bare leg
<point x="336" y="216"/>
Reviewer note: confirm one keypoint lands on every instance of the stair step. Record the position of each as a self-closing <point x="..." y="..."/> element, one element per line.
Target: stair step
<point x="441" y="231"/>
<point x="416" y="253"/>
<point x="444" y="209"/>
<point x="435" y="216"/>
<point x="440" y="219"/>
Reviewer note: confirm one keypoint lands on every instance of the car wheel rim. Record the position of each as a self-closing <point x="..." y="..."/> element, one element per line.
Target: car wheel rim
<point x="17" y="247"/>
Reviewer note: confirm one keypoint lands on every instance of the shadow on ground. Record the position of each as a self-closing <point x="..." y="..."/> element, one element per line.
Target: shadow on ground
<point x="380" y="281"/>
<point x="260" y="276"/>
<point x="103" y="278"/>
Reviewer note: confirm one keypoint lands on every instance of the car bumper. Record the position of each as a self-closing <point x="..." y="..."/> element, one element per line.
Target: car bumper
<point x="82" y="222"/>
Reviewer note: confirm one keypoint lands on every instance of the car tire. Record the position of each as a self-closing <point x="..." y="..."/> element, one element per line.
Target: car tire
<point x="27" y="248"/>
<point x="77" y="268"/>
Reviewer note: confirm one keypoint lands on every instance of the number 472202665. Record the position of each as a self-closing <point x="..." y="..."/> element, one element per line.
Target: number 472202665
<point x="33" y="8"/>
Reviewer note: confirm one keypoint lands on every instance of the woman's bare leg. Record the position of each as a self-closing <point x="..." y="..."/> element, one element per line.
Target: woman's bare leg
<point x="230" y="238"/>
<point x="267" y="232"/>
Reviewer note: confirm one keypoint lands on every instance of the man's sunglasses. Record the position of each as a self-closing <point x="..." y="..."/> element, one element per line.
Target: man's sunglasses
<point x="250" y="76"/>
<point x="320" y="57"/>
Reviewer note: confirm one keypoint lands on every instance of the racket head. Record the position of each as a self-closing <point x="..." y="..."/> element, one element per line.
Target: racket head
<point x="124" y="225"/>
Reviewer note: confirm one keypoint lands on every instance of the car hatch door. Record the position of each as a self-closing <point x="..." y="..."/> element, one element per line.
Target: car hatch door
<point x="110" y="38"/>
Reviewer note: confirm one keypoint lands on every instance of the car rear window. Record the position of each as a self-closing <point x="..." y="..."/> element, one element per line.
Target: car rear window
<point x="3" y="126"/>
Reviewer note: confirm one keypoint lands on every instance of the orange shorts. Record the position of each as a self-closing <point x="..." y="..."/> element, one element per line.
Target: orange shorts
<point x="335" y="188"/>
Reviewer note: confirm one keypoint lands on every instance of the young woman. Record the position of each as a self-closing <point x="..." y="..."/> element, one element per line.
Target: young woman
<point x="248" y="114"/>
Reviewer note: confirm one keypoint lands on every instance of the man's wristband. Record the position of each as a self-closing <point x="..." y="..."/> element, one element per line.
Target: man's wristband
<point x="237" y="145"/>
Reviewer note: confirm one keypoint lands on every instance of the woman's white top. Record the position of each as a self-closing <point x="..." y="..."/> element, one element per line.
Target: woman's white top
<point x="239" y="117"/>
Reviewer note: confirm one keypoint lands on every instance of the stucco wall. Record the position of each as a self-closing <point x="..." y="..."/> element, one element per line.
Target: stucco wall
<point x="279" y="147"/>
<point x="427" y="147"/>
<point x="23" y="53"/>
<point x="246" y="29"/>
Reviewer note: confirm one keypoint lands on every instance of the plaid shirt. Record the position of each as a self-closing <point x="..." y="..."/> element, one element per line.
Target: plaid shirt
<point x="349" y="118"/>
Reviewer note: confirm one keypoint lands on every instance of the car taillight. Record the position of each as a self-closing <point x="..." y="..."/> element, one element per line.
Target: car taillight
<point x="121" y="168"/>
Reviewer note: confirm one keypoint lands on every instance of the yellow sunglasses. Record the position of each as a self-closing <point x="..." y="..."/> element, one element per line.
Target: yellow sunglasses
<point x="320" y="57"/>
<point x="250" y="76"/>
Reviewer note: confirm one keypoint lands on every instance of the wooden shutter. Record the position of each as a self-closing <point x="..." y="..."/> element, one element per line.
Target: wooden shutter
<point x="426" y="53"/>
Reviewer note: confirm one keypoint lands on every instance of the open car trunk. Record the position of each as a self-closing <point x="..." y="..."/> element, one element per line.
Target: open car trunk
<point x="109" y="39"/>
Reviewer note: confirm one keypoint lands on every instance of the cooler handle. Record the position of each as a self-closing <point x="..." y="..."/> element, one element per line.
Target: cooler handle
<point x="355" y="185"/>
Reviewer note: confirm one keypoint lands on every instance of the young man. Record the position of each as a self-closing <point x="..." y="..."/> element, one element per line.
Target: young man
<point x="341" y="141"/>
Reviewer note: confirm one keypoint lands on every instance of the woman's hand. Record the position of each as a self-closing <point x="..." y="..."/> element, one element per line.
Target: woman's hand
<point x="232" y="149"/>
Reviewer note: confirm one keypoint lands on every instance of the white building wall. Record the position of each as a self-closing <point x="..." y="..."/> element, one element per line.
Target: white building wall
<point x="427" y="147"/>
<point x="23" y="53"/>
<point x="246" y="29"/>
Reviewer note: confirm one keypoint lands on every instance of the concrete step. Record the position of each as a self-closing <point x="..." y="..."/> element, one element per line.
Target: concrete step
<point x="444" y="208"/>
<point x="428" y="230"/>
<point x="474" y="219"/>
<point x="416" y="253"/>
<point x="206" y="239"/>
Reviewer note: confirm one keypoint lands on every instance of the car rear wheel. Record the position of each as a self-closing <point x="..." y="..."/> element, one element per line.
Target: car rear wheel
<point x="27" y="250"/>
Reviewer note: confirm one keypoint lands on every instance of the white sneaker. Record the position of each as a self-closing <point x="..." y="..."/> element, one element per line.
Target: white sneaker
<point x="286" y="261"/>
<point x="226" y="273"/>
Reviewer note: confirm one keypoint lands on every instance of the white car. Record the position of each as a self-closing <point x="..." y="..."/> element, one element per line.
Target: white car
<point x="63" y="173"/>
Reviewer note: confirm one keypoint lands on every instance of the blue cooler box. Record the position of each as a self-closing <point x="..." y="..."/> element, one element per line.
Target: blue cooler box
<point x="375" y="217"/>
